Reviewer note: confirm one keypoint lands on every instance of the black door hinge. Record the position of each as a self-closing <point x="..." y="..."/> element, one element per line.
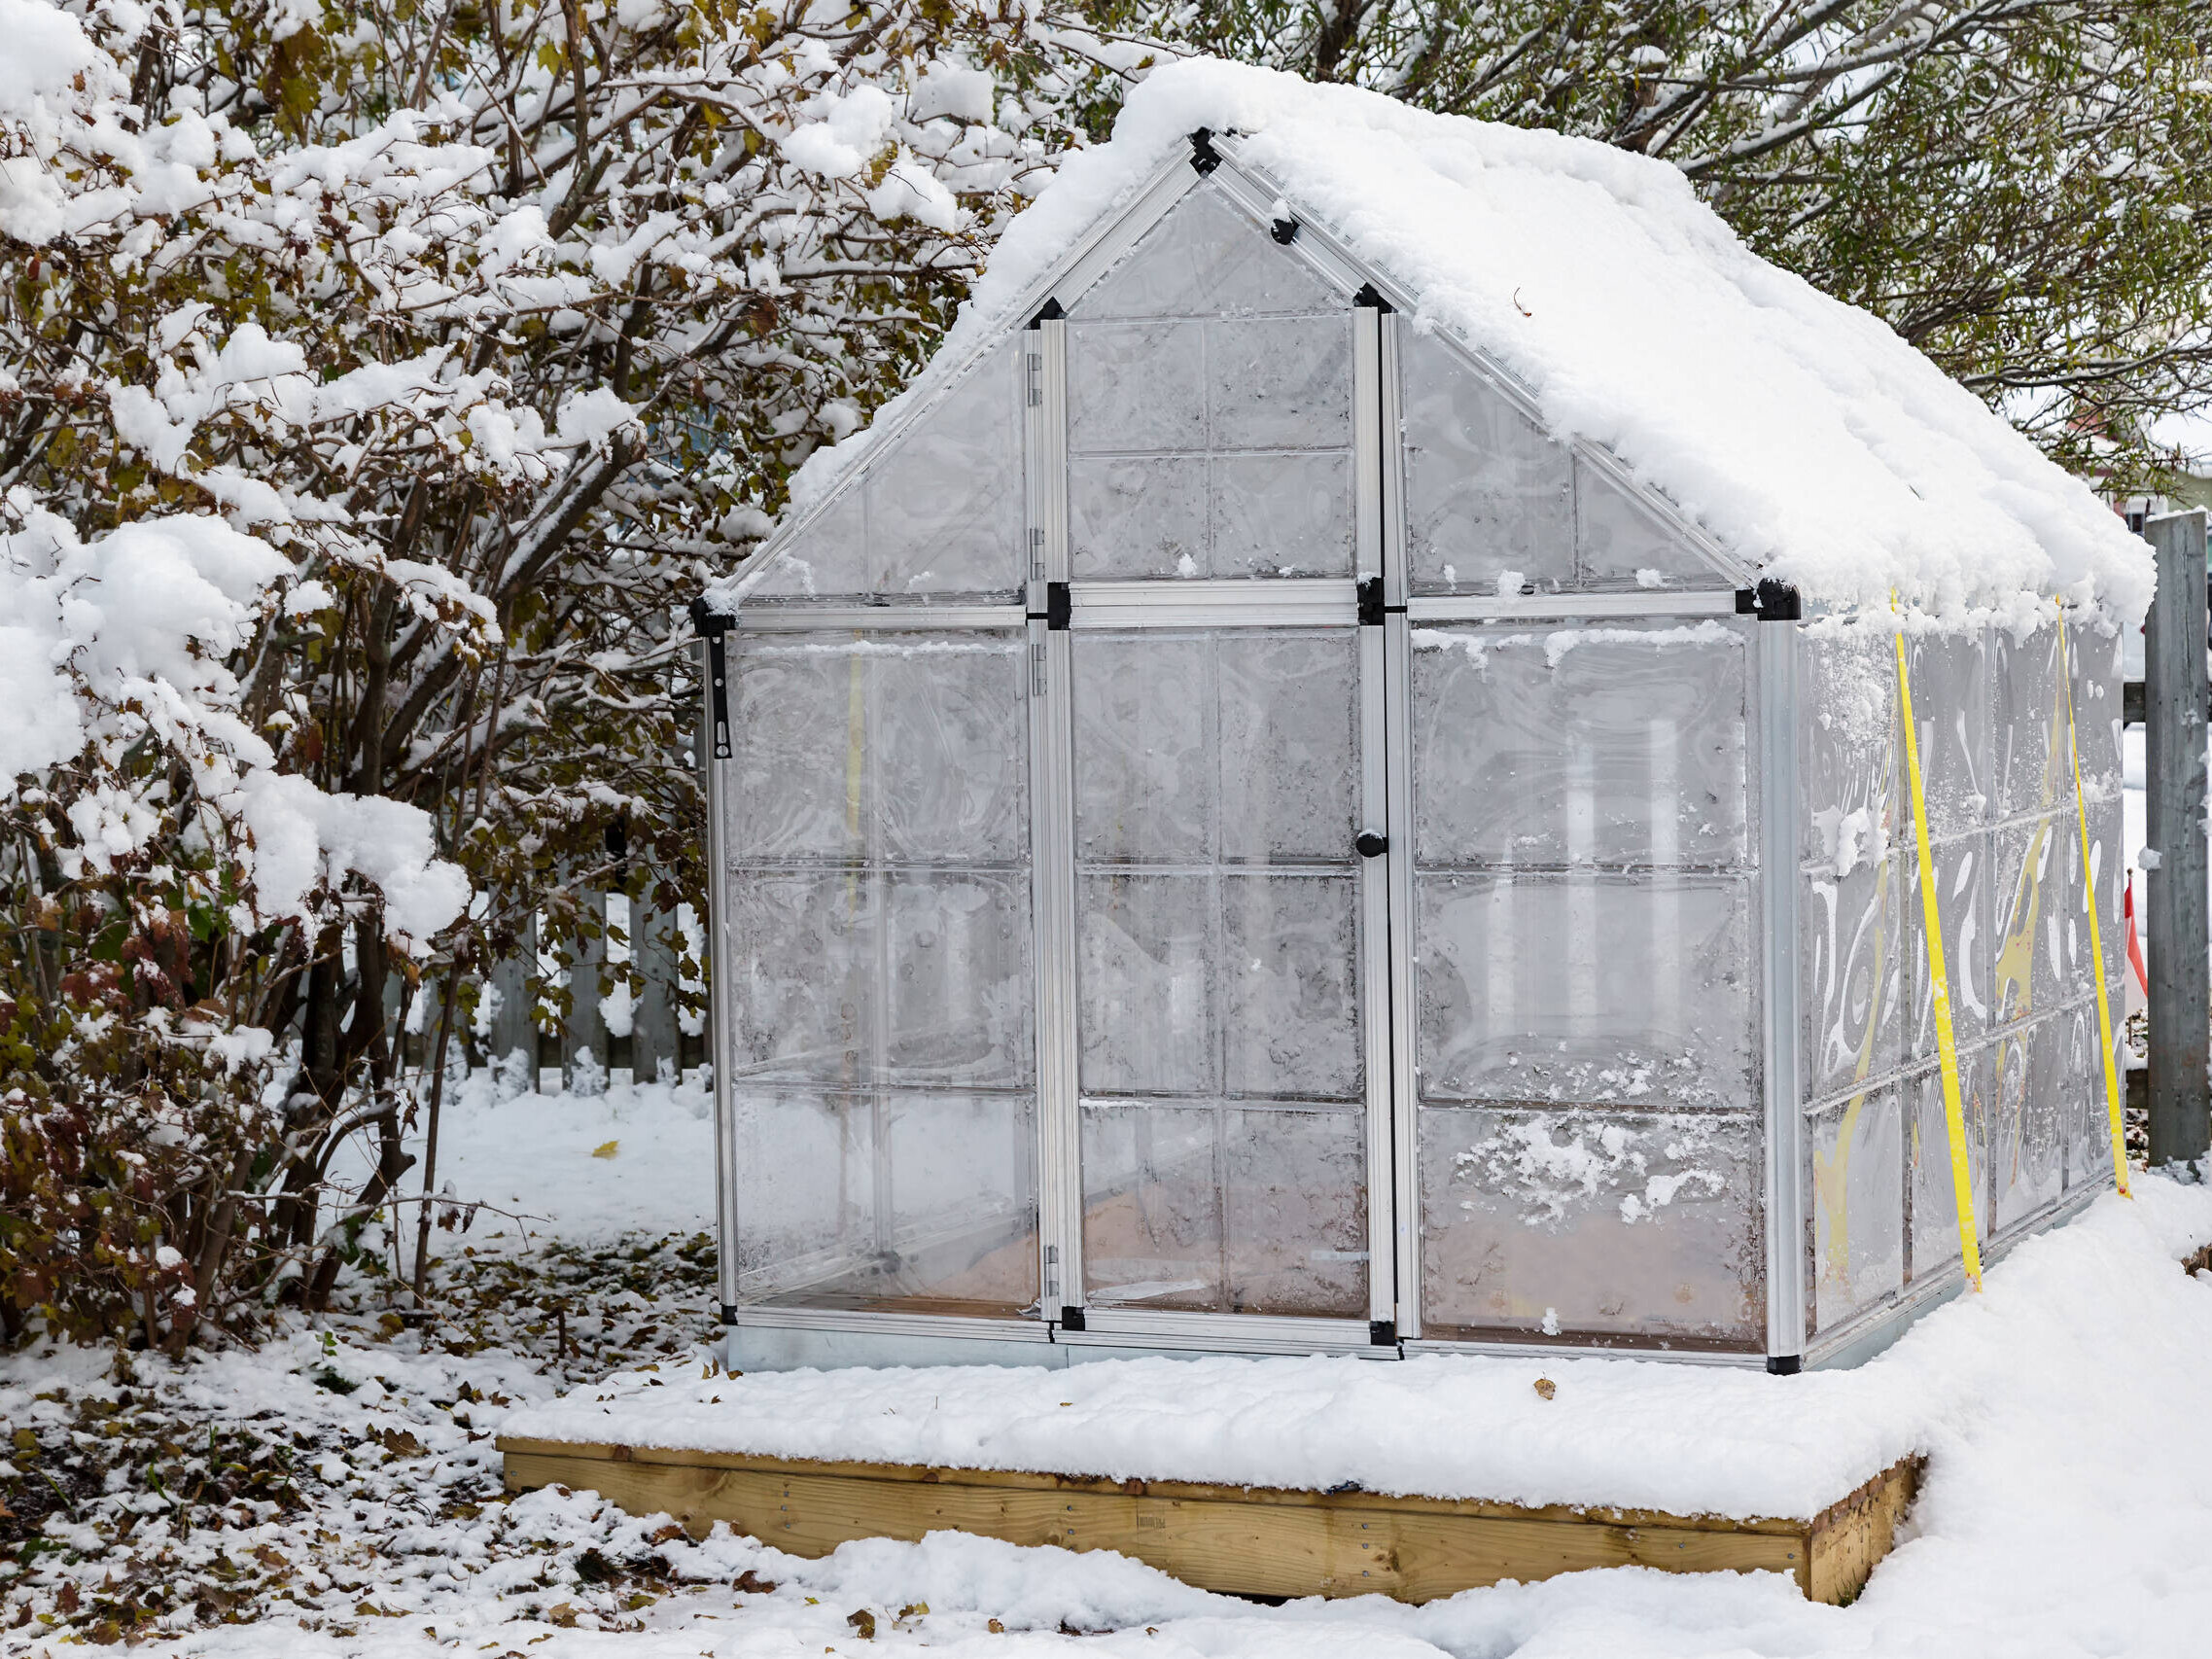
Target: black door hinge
<point x="712" y="626"/>
<point x="1202" y="156"/>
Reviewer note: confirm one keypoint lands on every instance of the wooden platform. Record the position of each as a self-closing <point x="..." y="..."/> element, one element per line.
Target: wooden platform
<point x="1246" y="1541"/>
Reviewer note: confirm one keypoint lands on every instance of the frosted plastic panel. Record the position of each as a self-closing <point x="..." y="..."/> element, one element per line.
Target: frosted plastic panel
<point x="1291" y="1020"/>
<point x="2027" y="728"/>
<point x="1279" y="383"/>
<point x="2085" y="1117"/>
<point x="902" y="747"/>
<point x="1857" y="1168"/>
<point x="1575" y="746"/>
<point x="1850" y="762"/>
<point x="1620" y="543"/>
<point x="1486" y="490"/>
<point x="844" y="977"/>
<point x="1591" y="1224"/>
<point x="1933" y="1211"/>
<point x="1587" y="988"/>
<point x="1950" y="701"/>
<point x="1232" y="514"/>
<point x="1963" y="904"/>
<point x="1149" y="956"/>
<point x="1850" y="932"/>
<point x="2096" y="703"/>
<point x="2042" y="954"/>
<point x="1134" y="386"/>
<point x="1281" y="515"/>
<point x="1139" y="516"/>
<point x="938" y="512"/>
<point x="915" y="1201"/>
<point x="2028" y="1164"/>
<point x="1235" y="745"/>
<point x="1257" y="1209"/>
<point x="1205" y="256"/>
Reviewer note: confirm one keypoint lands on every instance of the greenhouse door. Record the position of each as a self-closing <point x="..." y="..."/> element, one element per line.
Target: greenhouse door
<point x="1232" y="1116"/>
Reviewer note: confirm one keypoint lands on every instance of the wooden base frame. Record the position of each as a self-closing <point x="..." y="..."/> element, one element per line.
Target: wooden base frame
<point x="1244" y="1540"/>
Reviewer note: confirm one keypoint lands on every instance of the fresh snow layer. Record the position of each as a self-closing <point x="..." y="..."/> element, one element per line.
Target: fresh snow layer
<point x="1804" y="433"/>
<point x="2036" y="1350"/>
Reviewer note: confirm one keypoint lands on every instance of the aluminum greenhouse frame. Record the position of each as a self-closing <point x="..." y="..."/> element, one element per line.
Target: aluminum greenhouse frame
<point x="1609" y="791"/>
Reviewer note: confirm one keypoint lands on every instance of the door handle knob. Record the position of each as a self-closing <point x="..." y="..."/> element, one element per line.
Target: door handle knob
<point x="1370" y="845"/>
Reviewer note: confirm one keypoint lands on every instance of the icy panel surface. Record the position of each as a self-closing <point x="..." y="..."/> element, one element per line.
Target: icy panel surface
<point x="1587" y="988"/>
<point x="1610" y="745"/>
<point x="1963" y="882"/>
<point x="1135" y="386"/>
<point x="2029" y="1161"/>
<point x="2085" y="1112"/>
<point x="1152" y="1206"/>
<point x="2033" y="760"/>
<point x="1206" y="257"/>
<point x="1147" y="970"/>
<point x="1591" y="1224"/>
<point x="1620" y="542"/>
<point x="958" y="979"/>
<point x="1139" y="516"/>
<point x="945" y="502"/>
<point x="1857" y="1180"/>
<point x="1933" y="1210"/>
<point x="1950" y="680"/>
<point x="1289" y="744"/>
<point x="1279" y="383"/>
<point x="805" y="1001"/>
<point x="794" y="790"/>
<point x="949" y="729"/>
<point x="1146" y="748"/>
<point x="2097" y="656"/>
<point x="1850" y="761"/>
<point x="1850" y="932"/>
<point x="1294" y="1212"/>
<point x="1291" y="1014"/>
<point x="1281" y="515"/>
<point x="1487" y="492"/>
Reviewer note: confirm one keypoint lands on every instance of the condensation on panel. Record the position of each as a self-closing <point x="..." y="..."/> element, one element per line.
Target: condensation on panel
<point x="2040" y="958"/>
<point x="1577" y="746"/>
<point x="1281" y="515"/>
<point x="804" y="995"/>
<point x="1591" y="1224"/>
<point x="1149" y="956"/>
<point x="1851" y="931"/>
<point x="1290" y="1012"/>
<point x="1587" y="988"/>
<point x="1850" y="761"/>
<point x="2095" y="651"/>
<point x="886" y="1200"/>
<point x="1137" y="386"/>
<point x="1489" y="498"/>
<point x="2085" y="1111"/>
<point x="1622" y="541"/>
<point x="1932" y="1210"/>
<point x="1856" y="1165"/>
<point x="1279" y="382"/>
<point x="899" y="747"/>
<point x="1950" y="678"/>
<point x="937" y="512"/>
<point x="1238" y="746"/>
<point x="2031" y="757"/>
<point x="1138" y="515"/>
<point x="1294" y="1212"/>
<point x="1152" y="1226"/>
<point x="1205" y="256"/>
<point x="1963" y="881"/>
<point x="959" y="984"/>
<point x="2028" y="1153"/>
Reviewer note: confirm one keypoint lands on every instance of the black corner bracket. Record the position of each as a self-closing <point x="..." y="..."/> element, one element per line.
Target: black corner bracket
<point x="729" y="1313"/>
<point x="1285" y="230"/>
<point x="1051" y="312"/>
<point x="1770" y="602"/>
<point x="1372" y="300"/>
<point x="713" y="626"/>
<point x="1383" y="1334"/>
<point x="1202" y="156"/>
<point x="1072" y="1319"/>
<point x="1785" y="1364"/>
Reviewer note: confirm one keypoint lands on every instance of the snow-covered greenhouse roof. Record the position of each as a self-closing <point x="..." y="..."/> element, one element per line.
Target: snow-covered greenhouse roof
<point x="1801" y="435"/>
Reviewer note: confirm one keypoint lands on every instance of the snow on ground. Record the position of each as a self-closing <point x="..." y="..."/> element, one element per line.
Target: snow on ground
<point x="335" y="1493"/>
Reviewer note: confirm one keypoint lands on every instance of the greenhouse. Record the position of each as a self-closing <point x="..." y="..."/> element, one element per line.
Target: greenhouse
<point x="1332" y="778"/>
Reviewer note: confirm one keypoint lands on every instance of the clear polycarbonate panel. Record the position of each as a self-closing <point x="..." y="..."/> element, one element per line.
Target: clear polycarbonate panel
<point x="2085" y="1113"/>
<point x="1210" y="408"/>
<point x="1587" y="988"/>
<point x="1621" y="541"/>
<point x="1855" y="1152"/>
<point x="2027" y="1155"/>
<point x="1850" y="933"/>
<point x="890" y="1200"/>
<point x="1204" y="257"/>
<point x="1952" y="685"/>
<point x="878" y="972"/>
<point x="1218" y="966"/>
<point x="1591" y="1225"/>
<point x="2032" y="756"/>
<point x="1963" y="881"/>
<point x="1254" y="1208"/>
<point x="1489" y="497"/>
<point x="1932" y="1210"/>
<point x="2095" y="651"/>
<point x="2042" y="953"/>
<point x="1849" y="759"/>
<point x="938" y="512"/>
<point x="1622" y="747"/>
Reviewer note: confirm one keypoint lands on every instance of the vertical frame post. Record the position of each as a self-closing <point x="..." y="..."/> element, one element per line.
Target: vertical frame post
<point x="715" y="739"/>
<point x="1052" y="828"/>
<point x="2176" y="905"/>
<point x="1783" y="1161"/>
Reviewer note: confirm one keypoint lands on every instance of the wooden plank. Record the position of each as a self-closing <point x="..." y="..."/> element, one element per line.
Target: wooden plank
<point x="1268" y="1541"/>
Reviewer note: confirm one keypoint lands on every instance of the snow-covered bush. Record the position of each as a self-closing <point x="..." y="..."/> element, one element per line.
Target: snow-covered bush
<point x="376" y="382"/>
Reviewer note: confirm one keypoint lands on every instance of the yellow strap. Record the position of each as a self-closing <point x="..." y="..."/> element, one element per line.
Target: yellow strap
<point x="1946" y="1046"/>
<point x="2096" y="930"/>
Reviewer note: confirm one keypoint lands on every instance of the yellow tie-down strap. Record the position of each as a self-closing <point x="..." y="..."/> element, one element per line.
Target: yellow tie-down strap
<point x="2097" y="931"/>
<point x="1946" y="1046"/>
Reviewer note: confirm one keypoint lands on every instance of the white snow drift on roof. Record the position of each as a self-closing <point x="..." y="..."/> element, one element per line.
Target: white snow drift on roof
<point x="1803" y="432"/>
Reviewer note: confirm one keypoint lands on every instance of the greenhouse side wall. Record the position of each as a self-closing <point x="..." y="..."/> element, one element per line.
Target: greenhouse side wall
<point x="1992" y="716"/>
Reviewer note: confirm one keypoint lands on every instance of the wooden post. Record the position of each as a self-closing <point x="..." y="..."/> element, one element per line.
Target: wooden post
<point x="2175" y="908"/>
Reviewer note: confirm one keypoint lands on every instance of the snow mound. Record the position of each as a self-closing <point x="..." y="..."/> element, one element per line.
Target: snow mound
<point x="1802" y="433"/>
